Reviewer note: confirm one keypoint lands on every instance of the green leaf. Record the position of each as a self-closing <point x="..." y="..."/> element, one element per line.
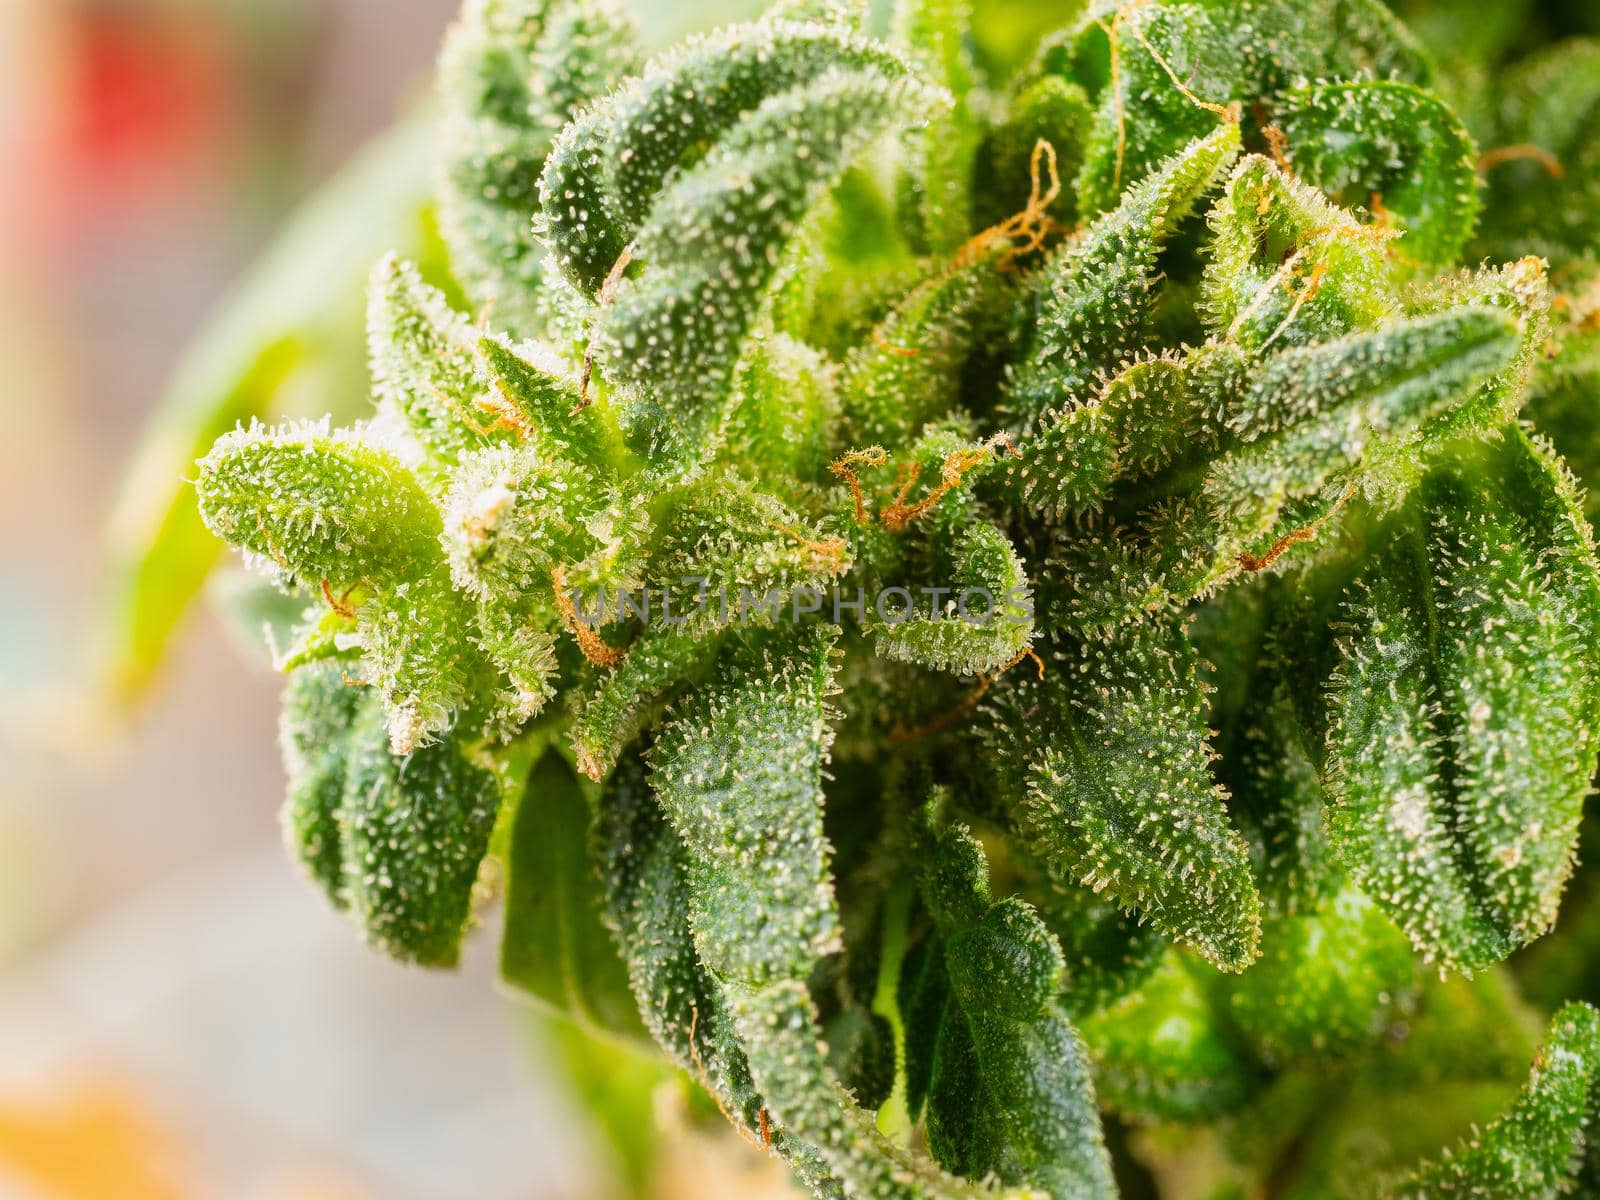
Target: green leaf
<point x="1318" y="424"/>
<point x="731" y="554"/>
<point x="314" y="730"/>
<point x="320" y="505"/>
<point x="619" y="1087"/>
<point x="785" y="403"/>
<point x="424" y="363"/>
<point x="910" y="372"/>
<point x="920" y="994"/>
<point x="1070" y="463"/>
<point x="1316" y="410"/>
<point x="1288" y="266"/>
<point x="512" y="73"/>
<point x="1173" y="57"/>
<point x="419" y="652"/>
<point x="739" y="773"/>
<point x="414" y="831"/>
<point x="1280" y="792"/>
<point x="1049" y="109"/>
<point x="1519" y="290"/>
<point x="861" y="1055"/>
<point x="1533" y="1150"/>
<point x="942" y="157"/>
<point x="555" y="948"/>
<point x="523" y="653"/>
<point x="1110" y="753"/>
<point x="546" y="405"/>
<point x="621" y="703"/>
<point x="1390" y="144"/>
<point x="670" y="338"/>
<point x="1142" y="118"/>
<point x="646" y="875"/>
<point x="1160" y="1052"/>
<point x="992" y="620"/>
<point x="1330" y="981"/>
<point x="646" y="900"/>
<point x="1091" y="304"/>
<point x="511" y="517"/>
<point x="608" y="167"/>
<point x="778" y="1024"/>
<point x="1137" y="424"/>
<point x="1107" y="952"/>
<point x="1463" y="733"/>
<point x="1009" y="1094"/>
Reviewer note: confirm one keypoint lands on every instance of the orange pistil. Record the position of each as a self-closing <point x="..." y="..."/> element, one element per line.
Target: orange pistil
<point x="1522" y="151"/>
<point x="589" y="641"/>
<point x="1380" y="212"/>
<point x="1028" y="229"/>
<point x="985" y="682"/>
<point x="1111" y="31"/>
<point x="1306" y="533"/>
<point x="1353" y="233"/>
<point x="1383" y="221"/>
<point x="841" y="468"/>
<point x="705" y="1081"/>
<point x="1028" y="652"/>
<point x="1581" y="311"/>
<point x="1313" y="285"/>
<point x="1228" y="112"/>
<point x="506" y="417"/>
<point x="900" y="514"/>
<point x="829" y="554"/>
<point x="888" y="347"/>
<point x="1278" y="144"/>
<point x="342" y="604"/>
<point x="941" y="723"/>
<point x="607" y="290"/>
<point x="272" y="546"/>
<point x="1301" y="298"/>
<point x="901" y="511"/>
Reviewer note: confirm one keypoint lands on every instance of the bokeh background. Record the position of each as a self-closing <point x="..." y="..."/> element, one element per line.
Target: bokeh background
<point x="180" y="1016"/>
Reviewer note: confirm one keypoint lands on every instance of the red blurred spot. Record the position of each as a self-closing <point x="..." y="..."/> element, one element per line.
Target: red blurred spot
<point x="149" y="95"/>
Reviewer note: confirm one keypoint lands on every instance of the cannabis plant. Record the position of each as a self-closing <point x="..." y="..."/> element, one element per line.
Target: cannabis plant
<point x="1019" y="616"/>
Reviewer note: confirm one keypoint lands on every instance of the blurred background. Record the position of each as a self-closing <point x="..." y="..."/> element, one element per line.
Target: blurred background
<point x="180" y="1015"/>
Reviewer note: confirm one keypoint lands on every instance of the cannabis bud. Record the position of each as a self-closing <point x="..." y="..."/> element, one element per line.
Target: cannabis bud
<point x="1243" y="656"/>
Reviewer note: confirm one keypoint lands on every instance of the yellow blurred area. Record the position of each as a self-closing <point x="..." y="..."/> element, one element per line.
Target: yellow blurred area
<point x="95" y="1140"/>
<point x="92" y="1143"/>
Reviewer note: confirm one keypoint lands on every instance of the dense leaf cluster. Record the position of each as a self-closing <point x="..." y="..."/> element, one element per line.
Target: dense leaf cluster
<point x="1226" y="346"/>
